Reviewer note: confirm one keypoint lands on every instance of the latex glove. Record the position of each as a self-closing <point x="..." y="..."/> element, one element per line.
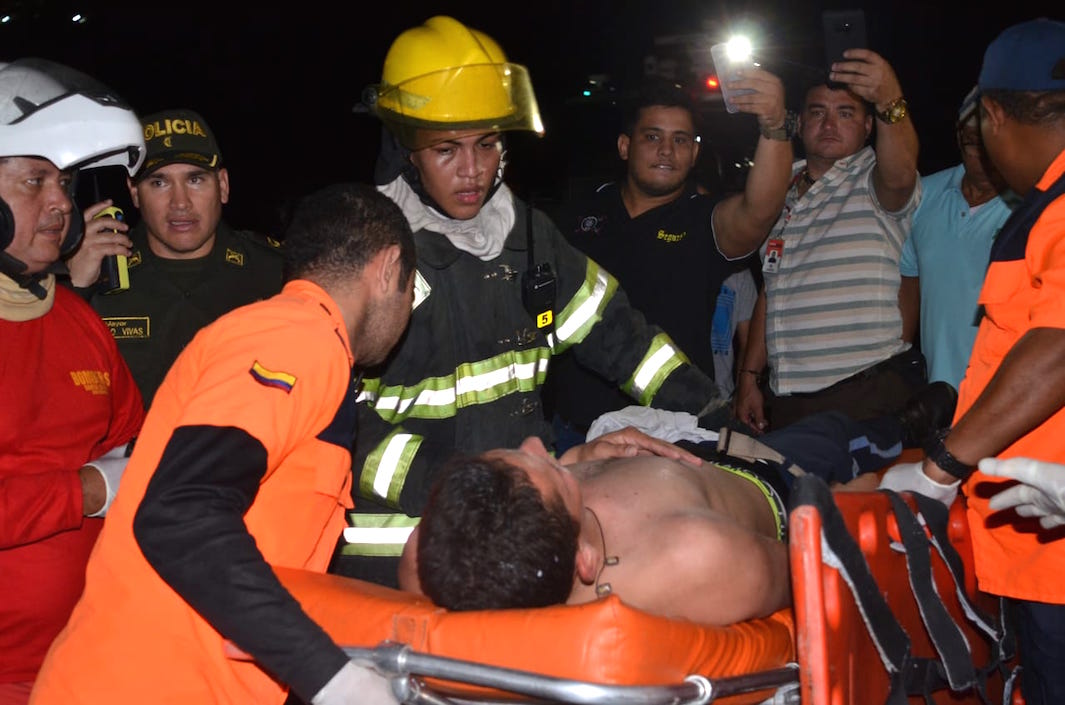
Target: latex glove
<point x="111" y="466"/>
<point x="356" y="685"/>
<point x="1040" y="494"/>
<point x="910" y="477"/>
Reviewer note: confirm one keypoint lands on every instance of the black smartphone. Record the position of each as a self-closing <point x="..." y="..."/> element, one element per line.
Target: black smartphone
<point x="844" y="29"/>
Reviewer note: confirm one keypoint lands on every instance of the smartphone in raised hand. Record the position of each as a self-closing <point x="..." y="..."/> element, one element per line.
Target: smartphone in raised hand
<point x="726" y="63"/>
<point x="843" y="29"/>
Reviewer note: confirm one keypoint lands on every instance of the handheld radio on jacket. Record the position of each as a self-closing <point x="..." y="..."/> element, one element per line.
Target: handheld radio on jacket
<point x="114" y="270"/>
<point x="538" y="284"/>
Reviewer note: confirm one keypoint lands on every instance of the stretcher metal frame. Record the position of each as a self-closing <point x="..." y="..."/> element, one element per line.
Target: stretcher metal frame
<point x="886" y="612"/>
<point x="407" y="670"/>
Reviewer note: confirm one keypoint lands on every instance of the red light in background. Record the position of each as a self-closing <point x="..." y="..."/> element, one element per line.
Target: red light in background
<point x="712" y="83"/>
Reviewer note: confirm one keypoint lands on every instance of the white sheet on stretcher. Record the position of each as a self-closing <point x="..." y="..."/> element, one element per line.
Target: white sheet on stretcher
<point x="669" y="426"/>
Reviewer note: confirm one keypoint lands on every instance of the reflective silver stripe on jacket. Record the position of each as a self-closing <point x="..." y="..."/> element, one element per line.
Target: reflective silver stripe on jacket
<point x="473" y="383"/>
<point x="661" y="359"/>
<point x="377" y="534"/>
<point x="586" y="307"/>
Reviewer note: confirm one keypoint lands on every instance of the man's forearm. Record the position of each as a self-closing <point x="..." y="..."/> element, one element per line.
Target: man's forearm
<point x="762" y="199"/>
<point x="755" y="353"/>
<point x="896" y="163"/>
<point x="1027" y="389"/>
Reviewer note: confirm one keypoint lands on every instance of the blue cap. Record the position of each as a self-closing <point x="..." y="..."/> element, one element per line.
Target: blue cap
<point x="1029" y="56"/>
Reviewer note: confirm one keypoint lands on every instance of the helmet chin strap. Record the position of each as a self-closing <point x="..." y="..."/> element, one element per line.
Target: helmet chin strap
<point x="16" y="269"/>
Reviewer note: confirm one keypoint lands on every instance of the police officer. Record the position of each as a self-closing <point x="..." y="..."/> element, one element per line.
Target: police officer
<point x="489" y="311"/>
<point x="186" y="267"/>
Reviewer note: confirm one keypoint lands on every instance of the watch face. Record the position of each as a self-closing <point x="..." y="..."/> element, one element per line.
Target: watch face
<point x="895" y="113"/>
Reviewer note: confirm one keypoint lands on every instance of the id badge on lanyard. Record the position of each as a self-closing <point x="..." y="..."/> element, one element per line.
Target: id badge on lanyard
<point x="774" y="250"/>
<point x="774" y="247"/>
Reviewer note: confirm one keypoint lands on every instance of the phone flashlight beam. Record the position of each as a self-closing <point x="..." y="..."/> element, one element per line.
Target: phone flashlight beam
<point x="738" y="49"/>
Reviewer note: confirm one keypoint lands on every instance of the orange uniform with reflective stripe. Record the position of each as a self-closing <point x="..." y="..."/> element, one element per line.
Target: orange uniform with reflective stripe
<point x="1019" y="294"/>
<point x="278" y="370"/>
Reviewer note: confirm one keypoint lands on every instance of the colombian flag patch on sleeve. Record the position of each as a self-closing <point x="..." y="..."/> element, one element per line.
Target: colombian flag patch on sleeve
<point x="281" y="380"/>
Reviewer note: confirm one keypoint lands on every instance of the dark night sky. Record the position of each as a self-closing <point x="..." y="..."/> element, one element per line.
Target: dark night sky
<point x="278" y="85"/>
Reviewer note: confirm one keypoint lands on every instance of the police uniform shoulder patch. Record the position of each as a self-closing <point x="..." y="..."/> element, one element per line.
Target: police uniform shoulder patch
<point x="267" y="242"/>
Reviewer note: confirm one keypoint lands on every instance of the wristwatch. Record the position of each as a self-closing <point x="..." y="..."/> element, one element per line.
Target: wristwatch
<point x="783" y="133"/>
<point x="894" y="112"/>
<point x="937" y="452"/>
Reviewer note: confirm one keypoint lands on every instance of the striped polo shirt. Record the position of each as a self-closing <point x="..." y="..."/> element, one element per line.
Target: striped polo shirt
<point x="832" y="301"/>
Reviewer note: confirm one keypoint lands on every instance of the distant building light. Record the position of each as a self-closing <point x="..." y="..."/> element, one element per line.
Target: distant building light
<point x="5" y="19"/>
<point x="78" y="18"/>
<point x="712" y="83"/>
<point x="586" y="93"/>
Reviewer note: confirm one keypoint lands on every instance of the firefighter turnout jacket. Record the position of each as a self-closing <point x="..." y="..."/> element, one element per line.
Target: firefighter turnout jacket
<point x="467" y="374"/>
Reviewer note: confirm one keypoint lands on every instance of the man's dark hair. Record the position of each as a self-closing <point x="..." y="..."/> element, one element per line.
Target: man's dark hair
<point x="821" y="79"/>
<point x="336" y="230"/>
<point x="656" y="92"/>
<point x="489" y="540"/>
<point x="1030" y="107"/>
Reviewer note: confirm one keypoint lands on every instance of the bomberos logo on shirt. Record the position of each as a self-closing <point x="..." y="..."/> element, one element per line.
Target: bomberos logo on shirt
<point x="96" y="382"/>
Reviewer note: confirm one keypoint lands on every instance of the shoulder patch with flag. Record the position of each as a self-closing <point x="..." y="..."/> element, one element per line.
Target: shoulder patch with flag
<point x="281" y="380"/>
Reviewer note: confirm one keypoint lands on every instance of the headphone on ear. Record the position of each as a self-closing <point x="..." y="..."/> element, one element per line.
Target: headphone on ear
<point x="74" y="232"/>
<point x="7" y="225"/>
<point x="70" y="241"/>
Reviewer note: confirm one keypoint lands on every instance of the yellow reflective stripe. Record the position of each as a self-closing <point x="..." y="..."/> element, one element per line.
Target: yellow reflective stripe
<point x="586" y="307"/>
<point x="377" y="534"/>
<point x="473" y="383"/>
<point x="386" y="468"/>
<point x="661" y="359"/>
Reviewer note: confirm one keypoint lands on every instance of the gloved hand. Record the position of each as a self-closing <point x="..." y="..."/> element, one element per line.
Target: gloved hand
<point x="1040" y="494"/>
<point x="111" y="466"/>
<point x="356" y="685"/>
<point x="909" y="477"/>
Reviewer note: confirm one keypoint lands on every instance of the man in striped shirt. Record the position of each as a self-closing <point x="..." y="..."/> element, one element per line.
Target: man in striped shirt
<point x="831" y="325"/>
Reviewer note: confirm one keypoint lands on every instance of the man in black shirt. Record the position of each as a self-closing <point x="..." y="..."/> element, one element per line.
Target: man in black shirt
<point x="669" y="245"/>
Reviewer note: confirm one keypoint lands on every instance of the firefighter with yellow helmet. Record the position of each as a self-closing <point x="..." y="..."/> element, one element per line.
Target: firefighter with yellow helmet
<point x="498" y="293"/>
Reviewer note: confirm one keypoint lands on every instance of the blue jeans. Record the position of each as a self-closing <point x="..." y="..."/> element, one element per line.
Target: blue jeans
<point x="1041" y="650"/>
<point x="837" y="448"/>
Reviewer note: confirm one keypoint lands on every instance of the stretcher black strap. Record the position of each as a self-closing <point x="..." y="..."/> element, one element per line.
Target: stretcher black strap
<point x="998" y="633"/>
<point x="955" y="663"/>
<point x="841" y="551"/>
<point x="910" y="675"/>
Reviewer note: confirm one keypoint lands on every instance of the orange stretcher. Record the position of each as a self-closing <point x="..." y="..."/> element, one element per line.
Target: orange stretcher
<point x="856" y="635"/>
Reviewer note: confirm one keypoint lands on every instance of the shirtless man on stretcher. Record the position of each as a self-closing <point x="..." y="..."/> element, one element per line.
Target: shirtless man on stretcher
<point x="516" y="528"/>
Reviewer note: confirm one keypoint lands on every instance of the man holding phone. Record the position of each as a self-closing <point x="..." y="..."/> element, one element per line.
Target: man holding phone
<point x="829" y="322"/>
<point x="187" y="266"/>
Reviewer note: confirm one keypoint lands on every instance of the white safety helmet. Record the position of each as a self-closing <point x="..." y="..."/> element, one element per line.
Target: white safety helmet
<point x="52" y="111"/>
